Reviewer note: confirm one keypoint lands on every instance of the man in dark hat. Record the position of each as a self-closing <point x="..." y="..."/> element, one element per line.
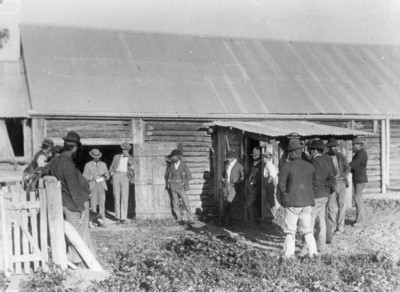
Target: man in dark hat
<point x="284" y="157"/>
<point x="42" y="157"/>
<point x="74" y="190"/>
<point x="254" y="183"/>
<point x="358" y="168"/>
<point x="178" y="183"/>
<point x="297" y="183"/>
<point x="97" y="174"/>
<point x="336" y="203"/>
<point x="232" y="179"/>
<point x="122" y="172"/>
<point x="326" y="183"/>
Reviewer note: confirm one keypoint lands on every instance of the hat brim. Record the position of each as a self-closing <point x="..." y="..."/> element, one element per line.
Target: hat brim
<point x="96" y="156"/>
<point x="70" y="140"/>
<point x="332" y="145"/>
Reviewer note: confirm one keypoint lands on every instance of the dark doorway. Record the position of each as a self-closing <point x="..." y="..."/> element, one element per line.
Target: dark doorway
<point x="108" y="152"/>
<point x="252" y="143"/>
<point x="16" y="134"/>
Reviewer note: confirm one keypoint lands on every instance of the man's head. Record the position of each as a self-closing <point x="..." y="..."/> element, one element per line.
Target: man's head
<point x="332" y="145"/>
<point x="256" y="154"/>
<point x="47" y="145"/>
<point x="231" y="155"/>
<point x="125" y="147"/>
<point x="176" y="155"/>
<point x="294" y="149"/>
<point x="317" y="146"/>
<point x="358" y="143"/>
<point x="96" y="154"/>
<point x="72" y="142"/>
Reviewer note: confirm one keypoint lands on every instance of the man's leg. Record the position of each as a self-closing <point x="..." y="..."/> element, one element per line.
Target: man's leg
<point x="124" y="197"/>
<point x="117" y="195"/>
<point x="305" y="229"/>
<point x="102" y="202"/>
<point x="331" y="215"/>
<point x="341" y="187"/>
<point x="185" y="201"/>
<point x="319" y="212"/>
<point x="290" y="227"/>
<point x="358" y="199"/>
<point x="250" y="204"/>
<point x="175" y="205"/>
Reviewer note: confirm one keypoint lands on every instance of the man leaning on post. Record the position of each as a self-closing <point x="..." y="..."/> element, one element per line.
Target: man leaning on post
<point x="297" y="183"/>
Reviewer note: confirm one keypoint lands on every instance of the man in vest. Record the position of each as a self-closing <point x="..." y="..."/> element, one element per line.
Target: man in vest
<point x="97" y="174"/>
<point x="41" y="158"/>
<point x="178" y="183"/>
<point x="122" y="172"/>
<point x="359" y="170"/>
<point x="336" y="207"/>
<point x="232" y="179"/>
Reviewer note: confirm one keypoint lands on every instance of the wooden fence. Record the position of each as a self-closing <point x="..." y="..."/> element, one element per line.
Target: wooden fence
<point x="23" y="230"/>
<point x="32" y="224"/>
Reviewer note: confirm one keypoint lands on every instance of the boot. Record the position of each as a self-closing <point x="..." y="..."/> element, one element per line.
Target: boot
<point x="311" y="244"/>
<point x="290" y="245"/>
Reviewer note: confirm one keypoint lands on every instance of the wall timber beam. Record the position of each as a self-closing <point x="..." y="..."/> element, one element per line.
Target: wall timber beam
<point x="138" y="131"/>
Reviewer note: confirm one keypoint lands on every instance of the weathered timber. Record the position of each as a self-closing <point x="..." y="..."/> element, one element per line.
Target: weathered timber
<point x="177" y="133"/>
<point x="179" y="138"/>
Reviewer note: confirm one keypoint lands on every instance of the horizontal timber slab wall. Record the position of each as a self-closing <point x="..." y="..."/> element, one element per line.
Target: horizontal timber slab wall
<point x="373" y="148"/>
<point x="394" y="173"/>
<point x="89" y="128"/>
<point x="196" y="144"/>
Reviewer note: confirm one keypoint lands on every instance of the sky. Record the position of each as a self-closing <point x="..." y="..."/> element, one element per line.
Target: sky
<point x="343" y="21"/>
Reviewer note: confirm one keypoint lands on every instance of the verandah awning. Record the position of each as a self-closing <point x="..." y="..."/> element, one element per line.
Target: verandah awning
<point x="281" y="128"/>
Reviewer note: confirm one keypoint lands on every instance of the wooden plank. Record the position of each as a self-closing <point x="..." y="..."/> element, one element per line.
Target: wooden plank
<point x="34" y="226"/>
<point x="23" y="258"/>
<point x="94" y="141"/>
<point x="206" y="139"/>
<point x="43" y="225"/>
<point x="16" y="231"/>
<point x="5" y="242"/>
<point x="38" y="132"/>
<point x="23" y="205"/>
<point x="386" y="182"/>
<point x="138" y="131"/>
<point x="56" y="221"/>
<point x="23" y="221"/>
<point x="163" y="133"/>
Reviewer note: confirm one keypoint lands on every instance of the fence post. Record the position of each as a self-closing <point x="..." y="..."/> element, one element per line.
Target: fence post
<point x="43" y="224"/>
<point x="56" y="221"/>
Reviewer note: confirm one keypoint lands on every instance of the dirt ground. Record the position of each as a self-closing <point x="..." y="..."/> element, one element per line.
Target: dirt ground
<point x="380" y="234"/>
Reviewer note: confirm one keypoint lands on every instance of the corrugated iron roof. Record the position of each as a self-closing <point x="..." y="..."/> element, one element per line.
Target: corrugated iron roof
<point x="277" y="128"/>
<point x="14" y="98"/>
<point x="92" y="72"/>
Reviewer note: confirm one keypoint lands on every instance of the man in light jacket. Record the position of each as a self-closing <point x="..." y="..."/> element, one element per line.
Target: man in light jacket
<point x="122" y="172"/>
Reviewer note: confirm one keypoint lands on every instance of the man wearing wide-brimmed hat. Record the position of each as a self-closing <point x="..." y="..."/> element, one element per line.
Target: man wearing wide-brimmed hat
<point x="232" y="179"/>
<point x="97" y="174"/>
<point x="122" y="171"/>
<point x="297" y="182"/>
<point x="41" y="158"/>
<point x="253" y="190"/>
<point x="270" y="182"/>
<point x="359" y="170"/>
<point x="336" y="203"/>
<point x="74" y="191"/>
<point x="326" y="183"/>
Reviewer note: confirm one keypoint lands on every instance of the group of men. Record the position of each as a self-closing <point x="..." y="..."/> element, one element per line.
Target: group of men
<point x="82" y="192"/>
<point x="310" y="186"/>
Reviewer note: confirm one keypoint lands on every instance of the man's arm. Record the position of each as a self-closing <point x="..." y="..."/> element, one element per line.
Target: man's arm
<point x="346" y="166"/>
<point x="86" y="172"/>
<point x="71" y="176"/>
<point x="241" y="174"/>
<point x="358" y="159"/>
<point x="282" y="182"/>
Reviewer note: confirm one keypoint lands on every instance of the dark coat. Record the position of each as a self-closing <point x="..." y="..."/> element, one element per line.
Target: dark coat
<point x="325" y="172"/>
<point x="297" y="182"/>
<point x="179" y="178"/>
<point x="359" y="166"/>
<point x="74" y="187"/>
<point x="237" y="173"/>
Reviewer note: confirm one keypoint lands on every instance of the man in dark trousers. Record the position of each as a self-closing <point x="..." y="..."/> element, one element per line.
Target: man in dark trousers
<point x="297" y="183"/>
<point x="326" y="184"/>
<point x="74" y="191"/>
<point x="122" y="172"/>
<point x="336" y="203"/>
<point x="253" y="194"/>
<point x="178" y="183"/>
<point x="232" y="180"/>
<point x="359" y="170"/>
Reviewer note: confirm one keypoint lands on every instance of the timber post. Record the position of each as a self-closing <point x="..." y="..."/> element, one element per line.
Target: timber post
<point x="56" y="221"/>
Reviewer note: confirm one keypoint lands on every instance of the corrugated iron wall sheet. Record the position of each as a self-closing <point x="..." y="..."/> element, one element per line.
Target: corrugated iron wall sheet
<point x="91" y="71"/>
<point x="14" y="97"/>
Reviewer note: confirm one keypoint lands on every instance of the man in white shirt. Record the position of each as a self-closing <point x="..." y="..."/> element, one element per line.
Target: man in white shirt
<point x="122" y="172"/>
<point x="270" y="182"/>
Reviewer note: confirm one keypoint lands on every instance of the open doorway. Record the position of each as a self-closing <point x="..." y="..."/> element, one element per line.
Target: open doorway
<point x="108" y="152"/>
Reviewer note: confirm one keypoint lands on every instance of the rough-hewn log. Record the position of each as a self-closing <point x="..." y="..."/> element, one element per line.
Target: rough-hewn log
<point x="179" y="138"/>
<point x="178" y="133"/>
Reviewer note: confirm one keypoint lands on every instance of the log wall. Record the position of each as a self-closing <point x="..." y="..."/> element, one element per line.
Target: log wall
<point x="373" y="148"/>
<point x="394" y="161"/>
<point x="196" y="145"/>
